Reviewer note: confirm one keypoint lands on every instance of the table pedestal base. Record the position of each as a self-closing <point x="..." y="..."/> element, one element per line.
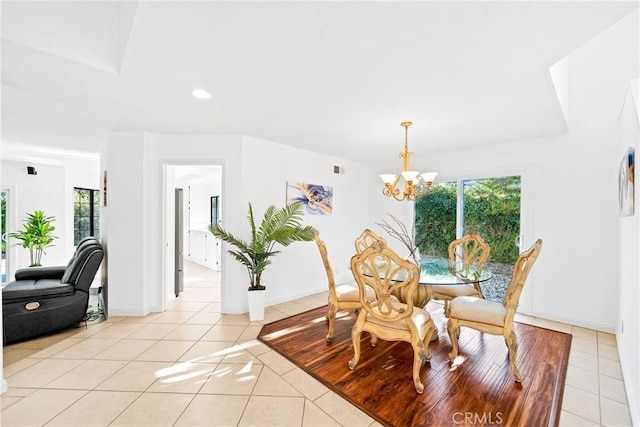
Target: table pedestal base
<point x="420" y="299"/>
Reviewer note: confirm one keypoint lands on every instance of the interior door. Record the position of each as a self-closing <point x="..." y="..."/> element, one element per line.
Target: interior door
<point x="179" y="242"/>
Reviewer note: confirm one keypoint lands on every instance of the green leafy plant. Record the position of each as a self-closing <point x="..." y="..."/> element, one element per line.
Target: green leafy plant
<point x="278" y="226"/>
<point x="36" y="235"/>
<point x="491" y="209"/>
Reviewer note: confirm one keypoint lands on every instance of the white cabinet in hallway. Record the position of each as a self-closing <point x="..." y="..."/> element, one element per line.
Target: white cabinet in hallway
<point x="204" y="248"/>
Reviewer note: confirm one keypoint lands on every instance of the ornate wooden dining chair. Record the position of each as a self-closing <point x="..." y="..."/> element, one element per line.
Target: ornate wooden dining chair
<point x="381" y="269"/>
<point x="469" y="251"/>
<point x="342" y="297"/>
<point x="490" y="316"/>
<point x="366" y="238"/>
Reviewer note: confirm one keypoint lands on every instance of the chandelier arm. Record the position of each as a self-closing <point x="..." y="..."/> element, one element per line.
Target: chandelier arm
<point x="399" y="198"/>
<point x="421" y="181"/>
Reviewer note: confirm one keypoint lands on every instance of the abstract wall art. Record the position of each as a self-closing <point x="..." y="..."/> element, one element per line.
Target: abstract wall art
<point x="626" y="183"/>
<point x="317" y="199"/>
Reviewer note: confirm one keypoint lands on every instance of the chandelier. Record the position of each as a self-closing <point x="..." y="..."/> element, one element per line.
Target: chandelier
<point x="415" y="183"/>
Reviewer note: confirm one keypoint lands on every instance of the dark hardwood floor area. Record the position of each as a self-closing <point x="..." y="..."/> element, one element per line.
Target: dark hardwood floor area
<point x="479" y="390"/>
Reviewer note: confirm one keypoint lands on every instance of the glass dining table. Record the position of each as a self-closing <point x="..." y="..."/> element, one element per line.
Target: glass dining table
<point x="436" y="271"/>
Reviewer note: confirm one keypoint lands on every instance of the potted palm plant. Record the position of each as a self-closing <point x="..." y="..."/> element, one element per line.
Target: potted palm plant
<point x="37" y="235"/>
<point x="278" y="226"/>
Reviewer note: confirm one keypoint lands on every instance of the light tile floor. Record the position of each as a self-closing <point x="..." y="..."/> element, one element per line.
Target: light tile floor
<point x="193" y="366"/>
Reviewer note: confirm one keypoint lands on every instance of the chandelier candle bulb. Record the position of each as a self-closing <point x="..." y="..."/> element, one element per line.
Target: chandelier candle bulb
<point x="415" y="183"/>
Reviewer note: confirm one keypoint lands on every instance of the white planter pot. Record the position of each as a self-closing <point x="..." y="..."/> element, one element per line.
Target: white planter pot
<point x="256" y="304"/>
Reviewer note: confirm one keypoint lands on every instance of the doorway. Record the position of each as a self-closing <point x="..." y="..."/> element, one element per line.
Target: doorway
<point x="197" y="184"/>
<point x="490" y="207"/>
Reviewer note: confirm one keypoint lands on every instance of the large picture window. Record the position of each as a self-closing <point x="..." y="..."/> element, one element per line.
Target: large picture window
<point x="490" y="207"/>
<point x="86" y="214"/>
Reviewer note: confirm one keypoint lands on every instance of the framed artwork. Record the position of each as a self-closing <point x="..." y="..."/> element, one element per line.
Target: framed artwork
<point x="317" y="199"/>
<point x="626" y="183"/>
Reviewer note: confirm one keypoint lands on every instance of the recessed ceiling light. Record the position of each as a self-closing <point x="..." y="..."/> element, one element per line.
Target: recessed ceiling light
<point x="201" y="94"/>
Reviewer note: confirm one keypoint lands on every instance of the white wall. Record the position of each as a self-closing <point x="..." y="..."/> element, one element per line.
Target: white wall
<point x="200" y="193"/>
<point x="126" y="224"/>
<point x="573" y="211"/>
<point x="298" y="270"/>
<point x="51" y="190"/>
<point x="628" y="330"/>
<point x="253" y="171"/>
<point x="36" y="192"/>
<point x="201" y="150"/>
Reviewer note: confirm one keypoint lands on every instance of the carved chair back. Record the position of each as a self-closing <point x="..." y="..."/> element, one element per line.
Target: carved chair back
<point x="327" y="266"/>
<point x="470" y="249"/>
<point x="520" y="273"/>
<point x="384" y="271"/>
<point x="366" y="239"/>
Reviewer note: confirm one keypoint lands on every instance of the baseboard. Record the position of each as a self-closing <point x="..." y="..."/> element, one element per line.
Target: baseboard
<point x="572" y="321"/>
<point x="126" y="313"/>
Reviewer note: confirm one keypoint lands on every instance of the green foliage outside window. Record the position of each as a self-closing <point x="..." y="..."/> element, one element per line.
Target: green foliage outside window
<point x="86" y="214"/>
<point x="436" y="220"/>
<point x="491" y="209"/>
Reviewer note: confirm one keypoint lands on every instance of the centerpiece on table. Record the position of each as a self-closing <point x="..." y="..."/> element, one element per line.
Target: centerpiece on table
<point x="402" y="233"/>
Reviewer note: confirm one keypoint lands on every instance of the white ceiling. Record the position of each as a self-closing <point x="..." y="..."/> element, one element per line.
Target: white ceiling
<point x="332" y="77"/>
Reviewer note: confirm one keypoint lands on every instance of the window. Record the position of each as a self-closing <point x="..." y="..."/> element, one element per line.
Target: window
<point x="215" y="210"/>
<point x="86" y="214"/>
<point x="490" y="207"/>
<point x="3" y="260"/>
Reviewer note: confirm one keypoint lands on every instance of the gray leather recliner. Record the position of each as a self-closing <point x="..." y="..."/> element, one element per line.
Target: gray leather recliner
<point x="43" y="300"/>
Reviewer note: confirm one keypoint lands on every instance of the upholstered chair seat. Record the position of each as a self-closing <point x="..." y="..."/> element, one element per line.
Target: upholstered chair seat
<point x="385" y="272"/>
<point x="448" y="292"/>
<point x="419" y="317"/>
<point x="349" y="293"/>
<point x="492" y="317"/>
<point x="478" y="310"/>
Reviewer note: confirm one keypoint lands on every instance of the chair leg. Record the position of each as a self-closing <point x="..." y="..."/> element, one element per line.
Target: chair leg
<point x="374" y="339"/>
<point x="446" y="307"/>
<point x="431" y="327"/>
<point x="331" y="317"/>
<point x="512" y="344"/>
<point x="418" y="355"/>
<point x="355" y="338"/>
<point x="454" y="332"/>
